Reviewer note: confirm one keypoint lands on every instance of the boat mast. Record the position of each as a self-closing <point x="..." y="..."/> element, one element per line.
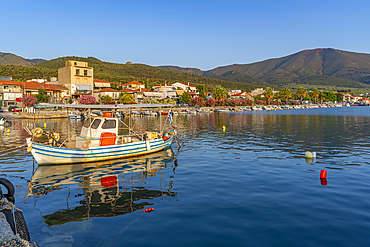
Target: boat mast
<point x="160" y="120"/>
<point x="89" y="116"/>
<point x="129" y="121"/>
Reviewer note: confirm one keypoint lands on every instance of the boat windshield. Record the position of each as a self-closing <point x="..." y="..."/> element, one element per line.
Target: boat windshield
<point x="87" y="122"/>
<point x="109" y="124"/>
<point x="96" y="123"/>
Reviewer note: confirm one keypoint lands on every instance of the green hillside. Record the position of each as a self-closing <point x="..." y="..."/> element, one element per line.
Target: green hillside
<point x="320" y="68"/>
<point x="24" y="73"/>
<point x="120" y="73"/>
<point x="11" y="59"/>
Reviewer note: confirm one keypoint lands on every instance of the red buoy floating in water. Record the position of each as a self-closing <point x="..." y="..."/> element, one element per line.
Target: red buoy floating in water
<point x="323" y="174"/>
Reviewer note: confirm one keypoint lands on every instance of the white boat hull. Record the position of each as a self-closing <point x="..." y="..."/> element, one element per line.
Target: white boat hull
<point x="44" y="154"/>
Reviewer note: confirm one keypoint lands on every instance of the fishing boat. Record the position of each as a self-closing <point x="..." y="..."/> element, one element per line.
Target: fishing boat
<point x="74" y="115"/>
<point x="2" y="121"/>
<point x="107" y="189"/>
<point x="101" y="138"/>
<point x="151" y="113"/>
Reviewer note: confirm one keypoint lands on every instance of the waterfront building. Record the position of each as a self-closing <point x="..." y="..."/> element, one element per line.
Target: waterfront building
<point x="10" y="93"/>
<point x="77" y="76"/>
<point x="241" y="95"/>
<point x="100" y="85"/>
<point x="257" y="91"/>
<point x="185" y="87"/>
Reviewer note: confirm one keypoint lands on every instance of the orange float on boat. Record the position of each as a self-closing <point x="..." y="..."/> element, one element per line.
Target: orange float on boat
<point x="107" y="138"/>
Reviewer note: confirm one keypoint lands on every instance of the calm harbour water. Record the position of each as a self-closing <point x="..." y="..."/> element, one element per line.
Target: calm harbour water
<point x="248" y="186"/>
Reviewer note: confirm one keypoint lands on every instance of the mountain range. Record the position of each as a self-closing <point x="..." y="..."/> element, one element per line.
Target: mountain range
<point x="309" y="68"/>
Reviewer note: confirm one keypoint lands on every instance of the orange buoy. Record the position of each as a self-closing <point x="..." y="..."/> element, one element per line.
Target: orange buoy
<point x="107" y="114"/>
<point x="323" y="174"/>
<point x="324" y="181"/>
<point x="152" y="209"/>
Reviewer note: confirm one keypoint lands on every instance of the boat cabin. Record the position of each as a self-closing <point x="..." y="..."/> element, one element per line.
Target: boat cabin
<point x="104" y="131"/>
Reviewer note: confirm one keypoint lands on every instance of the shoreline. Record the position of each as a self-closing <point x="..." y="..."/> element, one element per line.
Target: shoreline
<point x="63" y="114"/>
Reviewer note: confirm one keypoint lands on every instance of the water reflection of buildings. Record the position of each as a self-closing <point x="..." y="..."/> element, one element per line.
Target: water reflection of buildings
<point x="108" y="189"/>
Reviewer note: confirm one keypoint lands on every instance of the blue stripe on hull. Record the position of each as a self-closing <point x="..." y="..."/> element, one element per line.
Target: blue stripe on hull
<point x="52" y="155"/>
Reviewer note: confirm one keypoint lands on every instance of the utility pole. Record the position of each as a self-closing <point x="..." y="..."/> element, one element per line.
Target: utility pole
<point x="43" y="77"/>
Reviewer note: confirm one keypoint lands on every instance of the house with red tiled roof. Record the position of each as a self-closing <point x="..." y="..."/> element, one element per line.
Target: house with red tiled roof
<point x="164" y="88"/>
<point x="242" y="95"/>
<point x="185" y="87"/>
<point x="351" y="98"/>
<point x="10" y="93"/>
<point x="138" y="94"/>
<point x="100" y="84"/>
<point x="193" y="94"/>
<point x="113" y="93"/>
<point x="166" y="91"/>
<point x="133" y="85"/>
<point x="55" y="92"/>
<point x="365" y="101"/>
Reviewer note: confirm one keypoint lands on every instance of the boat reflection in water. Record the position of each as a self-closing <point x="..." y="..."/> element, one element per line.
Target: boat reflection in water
<point x="109" y="188"/>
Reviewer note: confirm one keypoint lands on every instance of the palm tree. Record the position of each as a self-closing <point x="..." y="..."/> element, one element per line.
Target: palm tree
<point x="322" y="97"/>
<point x="315" y="93"/>
<point x="219" y="93"/>
<point x="285" y="93"/>
<point x="278" y="98"/>
<point x="301" y="93"/>
<point x="268" y="94"/>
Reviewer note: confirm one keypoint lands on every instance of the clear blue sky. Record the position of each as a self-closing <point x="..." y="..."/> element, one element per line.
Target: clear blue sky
<point x="199" y="34"/>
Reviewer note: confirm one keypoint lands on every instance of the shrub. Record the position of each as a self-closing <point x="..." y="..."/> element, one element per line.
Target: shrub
<point x="211" y="102"/>
<point x="199" y="101"/>
<point x="87" y="100"/>
<point x="29" y="100"/>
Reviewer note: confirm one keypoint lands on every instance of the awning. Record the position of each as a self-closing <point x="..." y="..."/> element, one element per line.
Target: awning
<point x="84" y="87"/>
<point x="153" y="94"/>
<point x="100" y="84"/>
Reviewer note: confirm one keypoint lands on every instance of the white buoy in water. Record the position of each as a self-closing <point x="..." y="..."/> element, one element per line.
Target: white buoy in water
<point x="309" y="155"/>
<point x="314" y="154"/>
